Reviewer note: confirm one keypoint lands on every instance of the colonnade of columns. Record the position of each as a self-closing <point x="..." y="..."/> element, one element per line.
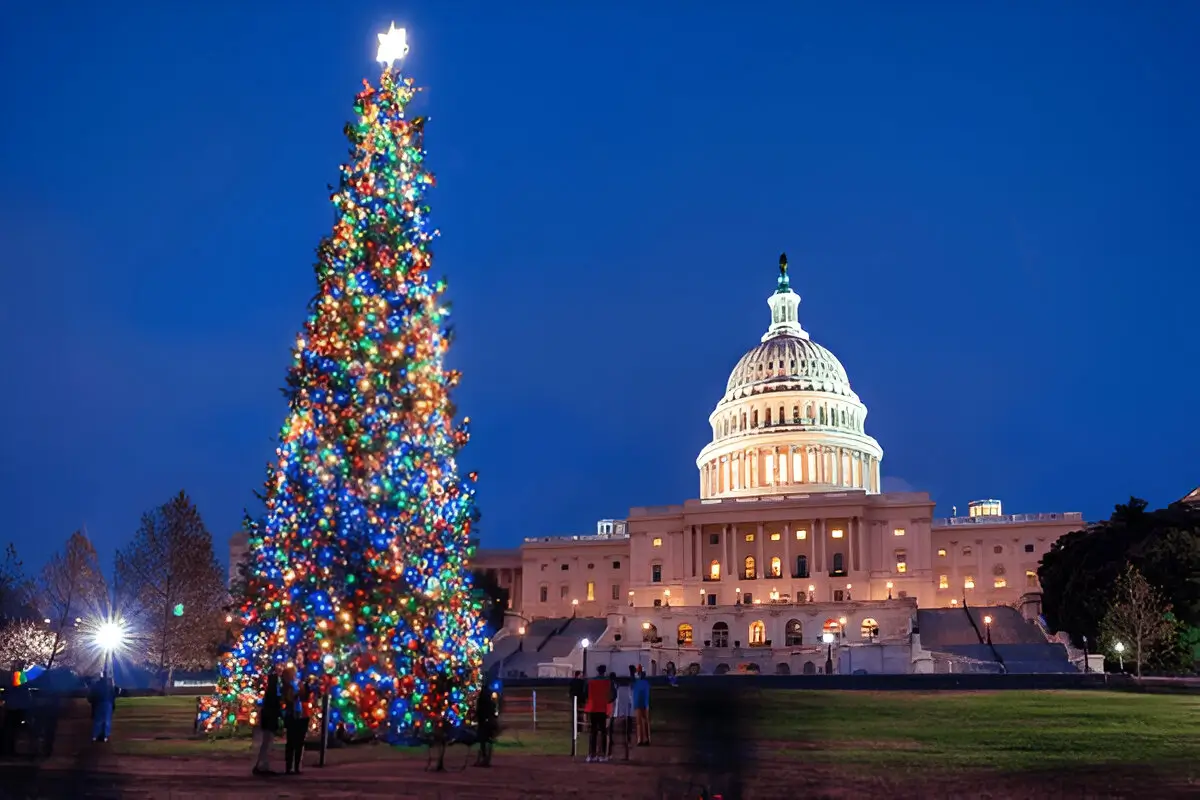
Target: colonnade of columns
<point x="818" y="545"/>
<point x="788" y="465"/>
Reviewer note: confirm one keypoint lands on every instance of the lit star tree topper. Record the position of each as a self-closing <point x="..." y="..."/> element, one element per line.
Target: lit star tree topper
<point x="358" y="575"/>
<point x="393" y="46"/>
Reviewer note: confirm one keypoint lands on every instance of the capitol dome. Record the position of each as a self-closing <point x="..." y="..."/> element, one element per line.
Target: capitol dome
<point x="788" y="362"/>
<point x="789" y="423"/>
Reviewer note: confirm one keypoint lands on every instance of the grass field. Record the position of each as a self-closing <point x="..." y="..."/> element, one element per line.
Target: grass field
<point x="859" y="742"/>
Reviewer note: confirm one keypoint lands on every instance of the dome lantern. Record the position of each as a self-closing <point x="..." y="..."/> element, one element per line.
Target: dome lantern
<point x="785" y="307"/>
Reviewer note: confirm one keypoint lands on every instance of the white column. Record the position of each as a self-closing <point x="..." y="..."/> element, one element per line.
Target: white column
<point x="687" y="551"/>
<point x="759" y="552"/>
<point x="787" y="550"/>
<point x="818" y="533"/>
<point x="726" y="571"/>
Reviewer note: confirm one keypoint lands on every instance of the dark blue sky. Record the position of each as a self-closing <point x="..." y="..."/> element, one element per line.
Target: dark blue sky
<point x="991" y="216"/>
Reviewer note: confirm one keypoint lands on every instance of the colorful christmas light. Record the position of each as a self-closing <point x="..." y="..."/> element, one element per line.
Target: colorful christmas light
<point x="358" y="570"/>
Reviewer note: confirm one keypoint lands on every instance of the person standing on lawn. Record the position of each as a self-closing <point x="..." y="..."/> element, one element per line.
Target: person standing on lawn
<point x="622" y="716"/>
<point x="599" y="695"/>
<point x="641" y="707"/>
<point x="297" y="700"/>
<point x="268" y="724"/>
<point x="103" y="697"/>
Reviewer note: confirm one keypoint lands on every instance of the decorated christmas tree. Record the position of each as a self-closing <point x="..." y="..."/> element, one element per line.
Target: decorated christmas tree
<point x="357" y="573"/>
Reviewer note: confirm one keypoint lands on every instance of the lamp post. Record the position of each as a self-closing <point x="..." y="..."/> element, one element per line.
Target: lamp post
<point x="889" y="588"/>
<point x="521" y="641"/>
<point x="828" y="638"/>
<point x="1120" y="648"/>
<point x="574" y="606"/>
<point x="987" y="625"/>
<point x="584" y="644"/>
<point x="848" y="597"/>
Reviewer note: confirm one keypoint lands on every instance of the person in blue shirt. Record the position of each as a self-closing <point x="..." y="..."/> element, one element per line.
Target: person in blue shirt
<point x="641" y="706"/>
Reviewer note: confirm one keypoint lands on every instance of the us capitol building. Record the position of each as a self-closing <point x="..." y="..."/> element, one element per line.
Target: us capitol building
<point x="790" y="549"/>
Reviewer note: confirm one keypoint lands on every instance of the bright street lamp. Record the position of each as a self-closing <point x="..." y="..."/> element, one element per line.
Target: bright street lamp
<point x="1120" y="648"/>
<point x="109" y="638"/>
<point x="828" y="638"/>
<point x="583" y="643"/>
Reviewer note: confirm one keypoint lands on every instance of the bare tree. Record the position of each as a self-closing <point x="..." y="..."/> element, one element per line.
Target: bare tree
<point x="14" y="588"/>
<point x="172" y="588"/>
<point x="23" y="643"/>
<point x="1137" y="618"/>
<point x="72" y="587"/>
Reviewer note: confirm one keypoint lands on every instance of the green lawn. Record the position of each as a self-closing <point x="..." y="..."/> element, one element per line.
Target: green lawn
<point x="1013" y="731"/>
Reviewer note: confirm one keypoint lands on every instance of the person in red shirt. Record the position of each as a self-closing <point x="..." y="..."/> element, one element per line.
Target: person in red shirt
<point x="599" y="696"/>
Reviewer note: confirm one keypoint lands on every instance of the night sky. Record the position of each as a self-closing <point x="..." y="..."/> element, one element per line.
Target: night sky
<point x="991" y="219"/>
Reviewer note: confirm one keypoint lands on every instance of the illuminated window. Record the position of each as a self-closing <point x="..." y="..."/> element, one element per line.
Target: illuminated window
<point x="969" y="583"/>
<point x="685" y="633"/>
<point x="869" y="629"/>
<point x="1000" y="583"/>
<point x="656" y="573"/>
<point x="901" y="561"/>
<point x="801" y="534"/>
<point x="837" y="533"/>
<point x="793" y="633"/>
<point x="775" y="537"/>
<point x="943" y="581"/>
<point x="758" y="633"/>
<point x="749" y="537"/>
<point x="941" y="553"/>
<point x="658" y="541"/>
<point x="591" y="591"/>
<point x="714" y="570"/>
<point x="898" y="531"/>
<point x="616" y="591"/>
<point x="720" y="634"/>
<point x="749" y="567"/>
<point x="1031" y="580"/>
<point x="776" y="567"/>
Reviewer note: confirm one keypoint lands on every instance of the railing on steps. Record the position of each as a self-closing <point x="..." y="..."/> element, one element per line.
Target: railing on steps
<point x="982" y="639"/>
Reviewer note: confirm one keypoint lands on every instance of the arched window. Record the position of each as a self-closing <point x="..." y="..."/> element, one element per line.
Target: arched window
<point x="776" y="567"/>
<point x="822" y="415"/>
<point x="839" y="563"/>
<point x="714" y="570"/>
<point x="843" y="417"/>
<point x="726" y="427"/>
<point x="870" y="628"/>
<point x="768" y="417"/>
<point x="793" y="634"/>
<point x="808" y="411"/>
<point x="743" y="420"/>
<point x="795" y="413"/>
<point x="781" y="417"/>
<point x="649" y="632"/>
<point x="809" y="668"/>
<point x="545" y="593"/>
<point x="754" y="418"/>
<point x="720" y="634"/>
<point x="685" y="634"/>
<point x="749" y="572"/>
<point x="831" y="626"/>
<point x="758" y="633"/>
<point x="801" y="566"/>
